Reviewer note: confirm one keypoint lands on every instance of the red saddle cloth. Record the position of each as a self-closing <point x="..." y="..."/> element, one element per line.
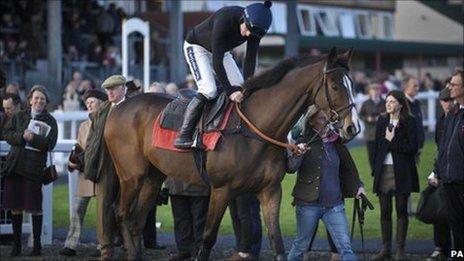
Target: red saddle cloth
<point x="164" y="138"/>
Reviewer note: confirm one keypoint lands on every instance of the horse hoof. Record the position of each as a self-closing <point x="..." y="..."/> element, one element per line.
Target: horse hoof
<point x="281" y="257"/>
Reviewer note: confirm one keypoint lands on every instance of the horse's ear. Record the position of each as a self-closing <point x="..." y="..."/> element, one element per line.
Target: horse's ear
<point x="332" y="57"/>
<point x="345" y="58"/>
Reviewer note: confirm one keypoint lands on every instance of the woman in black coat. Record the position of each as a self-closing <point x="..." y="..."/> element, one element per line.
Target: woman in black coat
<point x="395" y="171"/>
<point x="26" y="161"/>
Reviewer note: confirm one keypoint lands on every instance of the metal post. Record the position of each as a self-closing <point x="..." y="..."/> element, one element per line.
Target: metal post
<point x="292" y="38"/>
<point x="54" y="50"/>
<point x="176" y="28"/>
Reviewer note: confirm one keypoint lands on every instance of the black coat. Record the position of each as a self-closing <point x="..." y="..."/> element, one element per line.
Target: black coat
<point x="403" y="148"/>
<point x="22" y="161"/>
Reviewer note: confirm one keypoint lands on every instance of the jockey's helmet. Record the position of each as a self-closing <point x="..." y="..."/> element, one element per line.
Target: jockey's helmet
<point x="258" y="18"/>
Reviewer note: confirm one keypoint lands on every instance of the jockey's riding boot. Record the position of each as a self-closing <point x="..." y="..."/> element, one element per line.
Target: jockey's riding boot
<point x="385" y="251"/>
<point x="401" y="232"/>
<point x="17" y="223"/>
<point x="36" y="232"/>
<point x="191" y="117"/>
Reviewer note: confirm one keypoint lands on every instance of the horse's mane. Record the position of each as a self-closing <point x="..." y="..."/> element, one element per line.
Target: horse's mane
<point x="274" y="75"/>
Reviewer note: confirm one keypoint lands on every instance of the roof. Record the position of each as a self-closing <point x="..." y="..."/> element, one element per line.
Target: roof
<point x="384" y="46"/>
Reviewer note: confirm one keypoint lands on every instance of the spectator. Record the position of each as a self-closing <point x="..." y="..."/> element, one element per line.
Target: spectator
<point x="23" y="172"/>
<point x="71" y="99"/>
<point x="134" y="87"/>
<point x="411" y="89"/>
<point x="171" y="89"/>
<point x="11" y="105"/>
<point x="97" y="155"/>
<point x="105" y="27"/>
<point x="15" y="89"/>
<point x="85" y="188"/>
<point x="319" y="189"/>
<point x="441" y="231"/>
<point x="370" y="112"/>
<point x="395" y="172"/>
<point x="156" y="87"/>
<point x="449" y="165"/>
<point x="246" y="221"/>
<point x="189" y="83"/>
<point x="189" y="208"/>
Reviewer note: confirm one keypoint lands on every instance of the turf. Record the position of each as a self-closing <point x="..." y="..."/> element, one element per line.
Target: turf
<point x="417" y="229"/>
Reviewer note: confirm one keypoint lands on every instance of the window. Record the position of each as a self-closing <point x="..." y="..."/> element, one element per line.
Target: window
<point x="347" y="27"/>
<point x="306" y="21"/>
<point x="327" y="21"/>
<point x="363" y="25"/>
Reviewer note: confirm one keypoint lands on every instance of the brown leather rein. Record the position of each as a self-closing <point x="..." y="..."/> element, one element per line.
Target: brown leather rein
<point x="293" y="148"/>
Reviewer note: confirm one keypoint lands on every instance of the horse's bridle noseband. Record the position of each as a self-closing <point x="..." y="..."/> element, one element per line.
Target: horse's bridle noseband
<point x="335" y="115"/>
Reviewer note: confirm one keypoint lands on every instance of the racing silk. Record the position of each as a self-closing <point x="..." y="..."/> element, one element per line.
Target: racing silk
<point x="219" y="34"/>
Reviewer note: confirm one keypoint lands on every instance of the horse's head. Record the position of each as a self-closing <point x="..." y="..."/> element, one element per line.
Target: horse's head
<point x="335" y="95"/>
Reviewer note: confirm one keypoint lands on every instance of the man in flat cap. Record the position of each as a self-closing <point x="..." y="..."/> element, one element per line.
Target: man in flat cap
<point x="85" y="188"/>
<point x="99" y="166"/>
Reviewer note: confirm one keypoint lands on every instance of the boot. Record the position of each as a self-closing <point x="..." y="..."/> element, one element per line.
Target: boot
<point x="385" y="251"/>
<point x="17" y="223"/>
<point x="401" y="232"/>
<point x="191" y="117"/>
<point x="36" y="232"/>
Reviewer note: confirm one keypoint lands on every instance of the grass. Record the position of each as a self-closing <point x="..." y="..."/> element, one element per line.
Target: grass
<point x="417" y="229"/>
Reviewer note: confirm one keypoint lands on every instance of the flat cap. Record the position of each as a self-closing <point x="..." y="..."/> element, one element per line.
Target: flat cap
<point x="445" y="94"/>
<point x="114" y="80"/>
<point x="94" y="93"/>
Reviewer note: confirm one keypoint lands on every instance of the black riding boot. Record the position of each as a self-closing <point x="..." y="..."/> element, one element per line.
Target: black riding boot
<point x="36" y="232"/>
<point x="17" y="223"/>
<point x="191" y="117"/>
<point x="401" y="233"/>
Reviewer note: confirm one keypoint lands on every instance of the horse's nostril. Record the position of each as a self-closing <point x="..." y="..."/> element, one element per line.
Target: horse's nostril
<point x="351" y="130"/>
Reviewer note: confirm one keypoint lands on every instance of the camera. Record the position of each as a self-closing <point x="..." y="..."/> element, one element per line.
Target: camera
<point x="163" y="197"/>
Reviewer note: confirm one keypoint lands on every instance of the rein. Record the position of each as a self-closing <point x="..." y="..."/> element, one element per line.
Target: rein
<point x="293" y="148"/>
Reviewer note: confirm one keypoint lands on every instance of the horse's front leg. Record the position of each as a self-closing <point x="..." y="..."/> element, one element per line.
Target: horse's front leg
<point x="217" y="206"/>
<point x="270" y="198"/>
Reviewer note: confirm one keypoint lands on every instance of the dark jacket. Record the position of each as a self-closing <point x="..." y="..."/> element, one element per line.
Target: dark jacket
<point x="309" y="171"/>
<point x="369" y="108"/>
<point x="97" y="158"/>
<point x="181" y="188"/>
<point x="403" y="148"/>
<point x="26" y="162"/>
<point x="417" y="113"/>
<point x="449" y="165"/>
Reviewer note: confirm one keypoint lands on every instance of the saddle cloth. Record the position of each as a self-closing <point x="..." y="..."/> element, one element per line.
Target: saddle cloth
<point x="167" y="125"/>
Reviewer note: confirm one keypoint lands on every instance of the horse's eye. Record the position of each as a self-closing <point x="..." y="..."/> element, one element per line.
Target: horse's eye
<point x="335" y="86"/>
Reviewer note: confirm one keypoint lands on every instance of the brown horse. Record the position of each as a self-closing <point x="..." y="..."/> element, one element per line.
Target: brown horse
<point x="274" y="101"/>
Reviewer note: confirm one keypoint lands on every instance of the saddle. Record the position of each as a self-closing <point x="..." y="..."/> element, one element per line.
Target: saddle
<point x="213" y="114"/>
<point x="210" y="128"/>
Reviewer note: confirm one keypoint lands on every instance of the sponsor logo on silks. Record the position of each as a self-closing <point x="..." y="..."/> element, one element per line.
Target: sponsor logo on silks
<point x="193" y="63"/>
<point x="457" y="253"/>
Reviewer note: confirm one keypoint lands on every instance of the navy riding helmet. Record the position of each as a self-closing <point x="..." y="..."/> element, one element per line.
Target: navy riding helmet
<point x="258" y="18"/>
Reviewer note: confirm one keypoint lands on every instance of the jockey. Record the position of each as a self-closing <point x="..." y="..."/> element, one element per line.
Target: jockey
<point x="207" y="51"/>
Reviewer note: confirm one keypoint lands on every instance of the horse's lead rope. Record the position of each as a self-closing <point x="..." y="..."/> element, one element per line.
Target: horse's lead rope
<point x="293" y="148"/>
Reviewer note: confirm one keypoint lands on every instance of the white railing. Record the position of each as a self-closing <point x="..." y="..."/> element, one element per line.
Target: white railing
<point x="63" y="146"/>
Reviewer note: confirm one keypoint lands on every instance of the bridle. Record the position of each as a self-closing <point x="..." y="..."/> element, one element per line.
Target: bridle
<point x="334" y="115"/>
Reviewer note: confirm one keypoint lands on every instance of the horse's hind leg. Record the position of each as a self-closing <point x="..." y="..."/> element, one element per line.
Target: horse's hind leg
<point x="270" y="198"/>
<point x="217" y="206"/>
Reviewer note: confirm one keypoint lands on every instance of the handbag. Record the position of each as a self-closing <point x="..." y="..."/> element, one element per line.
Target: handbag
<point x="50" y="173"/>
<point x="77" y="157"/>
<point x="431" y="208"/>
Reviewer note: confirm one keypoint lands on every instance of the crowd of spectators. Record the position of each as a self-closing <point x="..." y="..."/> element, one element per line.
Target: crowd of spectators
<point x="88" y="31"/>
